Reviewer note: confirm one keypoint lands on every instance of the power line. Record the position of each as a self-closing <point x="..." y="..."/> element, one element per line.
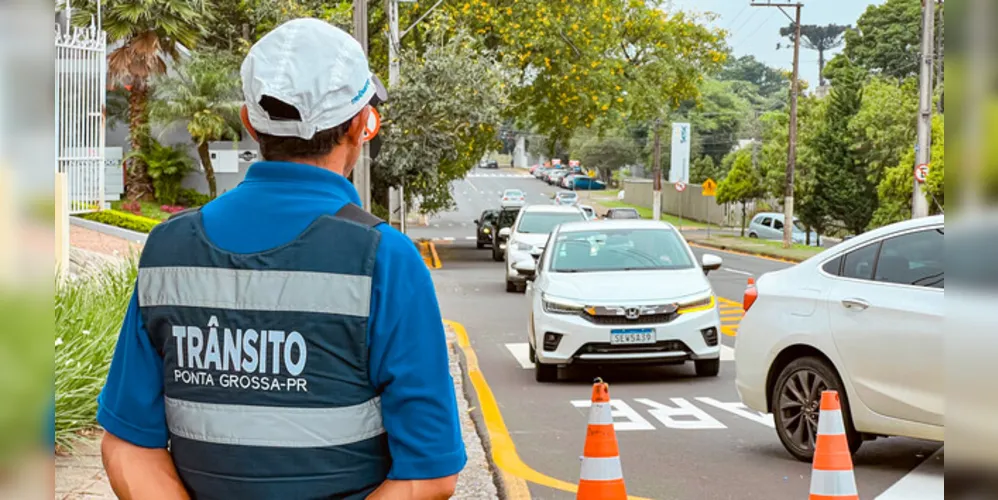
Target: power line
<point x="735" y="19"/>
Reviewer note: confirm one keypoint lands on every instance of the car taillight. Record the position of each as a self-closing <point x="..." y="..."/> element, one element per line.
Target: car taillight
<point x="751" y="293"/>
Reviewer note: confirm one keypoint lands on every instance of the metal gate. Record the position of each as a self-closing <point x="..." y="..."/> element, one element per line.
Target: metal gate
<point x="80" y="92"/>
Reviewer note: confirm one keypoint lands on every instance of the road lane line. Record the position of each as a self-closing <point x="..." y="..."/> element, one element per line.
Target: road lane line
<point x="727" y="353"/>
<point x="925" y="482"/>
<point x="515" y="472"/>
<point x="521" y="351"/>
<point x="736" y="271"/>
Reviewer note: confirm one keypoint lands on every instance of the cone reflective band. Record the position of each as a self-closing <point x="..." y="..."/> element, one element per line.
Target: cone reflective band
<point x="602" y="477"/>
<point x="832" y="476"/>
<point x="373" y="124"/>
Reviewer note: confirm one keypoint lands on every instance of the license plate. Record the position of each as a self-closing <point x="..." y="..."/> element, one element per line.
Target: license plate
<point x="632" y="336"/>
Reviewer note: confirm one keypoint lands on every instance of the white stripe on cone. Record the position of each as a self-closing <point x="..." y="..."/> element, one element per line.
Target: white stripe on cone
<point x="599" y="414"/>
<point x="833" y="482"/>
<point x="830" y="423"/>
<point x="601" y="469"/>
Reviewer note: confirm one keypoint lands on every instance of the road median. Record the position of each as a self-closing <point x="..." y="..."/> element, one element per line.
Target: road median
<point x="756" y="248"/>
<point x="429" y="252"/>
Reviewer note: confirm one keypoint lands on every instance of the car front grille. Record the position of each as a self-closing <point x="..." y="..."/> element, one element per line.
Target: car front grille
<point x="649" y="319"/>
<point x="660" y="346"/>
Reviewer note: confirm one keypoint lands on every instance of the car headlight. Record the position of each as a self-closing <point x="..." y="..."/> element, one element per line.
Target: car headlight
<point x="486" y="230"/>
<point x="524" y="247"/>
<point x="556" y="305"/>
<point x="700" y="304"/>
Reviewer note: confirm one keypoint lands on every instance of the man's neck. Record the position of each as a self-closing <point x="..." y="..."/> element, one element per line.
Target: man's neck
<point x="336" y="162"/>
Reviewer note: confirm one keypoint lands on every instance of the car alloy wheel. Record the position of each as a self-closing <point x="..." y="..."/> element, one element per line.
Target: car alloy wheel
<point x="796" y="405"/>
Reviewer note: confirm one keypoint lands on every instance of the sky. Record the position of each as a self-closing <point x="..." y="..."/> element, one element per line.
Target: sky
<point x="756" y="30"/>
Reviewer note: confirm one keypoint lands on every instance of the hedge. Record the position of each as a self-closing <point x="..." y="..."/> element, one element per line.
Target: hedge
<point x="123" y="220"/>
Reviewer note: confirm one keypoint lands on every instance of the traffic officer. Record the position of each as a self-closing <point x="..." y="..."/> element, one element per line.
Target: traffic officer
<point x="281" y="343"/>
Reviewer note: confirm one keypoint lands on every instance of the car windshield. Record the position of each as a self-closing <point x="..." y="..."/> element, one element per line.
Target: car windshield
<point x="489" y="217"/>
<point x="625" y="213"/>
<point x="567" y="196"/>
<point x="513" y="193"/>
<point x="619" y="250"/>
<point x="544" y="223"/>
<point x="507" y="217"/>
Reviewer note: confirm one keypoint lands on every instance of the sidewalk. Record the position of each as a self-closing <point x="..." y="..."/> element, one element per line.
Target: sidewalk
<point x="80" y="476"/>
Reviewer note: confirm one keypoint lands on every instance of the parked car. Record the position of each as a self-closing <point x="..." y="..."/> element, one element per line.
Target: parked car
<point x="541" y="172"/>
<point x="486" y="227"/>
<point x="513" y="197"/>
<point x="769" y="226"/>
<point x="622" y="213"/>
<point x="555" y="177"/>
<point x="491" y="164"/>
<point x="584" y="182"/>
<point x="566" y="198"/>
<point x="505" y="219"/>
<point x="528" y="235"/>
<point x="621" y="293"/>
<point x="864" y="318"/>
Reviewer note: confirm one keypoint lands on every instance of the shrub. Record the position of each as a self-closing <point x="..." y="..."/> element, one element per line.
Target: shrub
<point x="172" y="209"/>
<point x="123" y="220"/>
<point x="132" y="206"/>
<point x="167" y="166"/>
<point x="88" y="316"/>
<point x="193" y="198"/>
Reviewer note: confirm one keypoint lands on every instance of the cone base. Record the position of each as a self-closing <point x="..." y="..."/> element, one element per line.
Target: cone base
<point x="833" y="497"/>
<point x="602" y="490"/>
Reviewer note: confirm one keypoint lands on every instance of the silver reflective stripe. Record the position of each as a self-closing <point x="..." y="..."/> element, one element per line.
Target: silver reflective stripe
<point x="242" y="289"/>
<point x="276" y="427"/>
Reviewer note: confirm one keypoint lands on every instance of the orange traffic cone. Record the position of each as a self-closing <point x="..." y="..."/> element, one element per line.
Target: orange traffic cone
<point x="832" y="475"/>
<point x="602" y="477"/>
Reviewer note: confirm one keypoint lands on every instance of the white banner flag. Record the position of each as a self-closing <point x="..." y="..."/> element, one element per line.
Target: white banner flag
<point x="679" y="171"/>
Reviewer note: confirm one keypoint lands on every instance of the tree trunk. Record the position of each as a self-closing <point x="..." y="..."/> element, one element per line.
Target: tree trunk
<point x="209" y="170"/>
<point x="138" y="183"/>
<point x="743" y="219"/>
<point x="821" y="67"/>
<point x="807" y="237"/>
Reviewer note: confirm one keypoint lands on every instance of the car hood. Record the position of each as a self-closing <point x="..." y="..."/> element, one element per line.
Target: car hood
<point x="535" y="239"/>
<point x="623" y="287"/>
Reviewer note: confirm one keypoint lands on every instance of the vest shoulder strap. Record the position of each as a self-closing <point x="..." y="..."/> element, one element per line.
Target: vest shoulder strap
<point x="184" y="212"/>
<point x="354" y="213"/>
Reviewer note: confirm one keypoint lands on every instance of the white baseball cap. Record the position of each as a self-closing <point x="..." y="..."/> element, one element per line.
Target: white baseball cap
<point x="313" y="66"/>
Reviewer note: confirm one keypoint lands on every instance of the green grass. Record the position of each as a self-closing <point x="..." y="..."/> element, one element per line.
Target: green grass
<point x="150" y="209"/>
<point x="645" y="213"/>
<point x="88" y="315"/>
<point x="772" y="248"/>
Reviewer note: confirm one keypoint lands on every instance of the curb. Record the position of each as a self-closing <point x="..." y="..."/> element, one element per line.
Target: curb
<point x="125" y="234"/>
<point x="764" y="255"/>
<point x="509" y="487"/>
<point x="429" y="252"/>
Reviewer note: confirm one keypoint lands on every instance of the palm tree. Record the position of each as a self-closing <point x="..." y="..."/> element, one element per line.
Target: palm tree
<point x="150" y="31"/>
<point x="206" y="94"/>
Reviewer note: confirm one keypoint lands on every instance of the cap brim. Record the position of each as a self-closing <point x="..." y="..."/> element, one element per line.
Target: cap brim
<point x="380" y="93"/>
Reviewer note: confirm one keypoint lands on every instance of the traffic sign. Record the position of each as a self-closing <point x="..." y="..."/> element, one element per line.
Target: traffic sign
<point x="592" y="173"/>
<point x="573" y="163"/>
<point x="922" y="172"/>
<point x="556" y="161"/>
<point x="709" y="187"/>
<point x="680" y="186"/>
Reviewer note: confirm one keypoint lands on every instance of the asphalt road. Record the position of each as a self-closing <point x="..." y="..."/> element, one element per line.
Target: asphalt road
<point x="680" y="437"/>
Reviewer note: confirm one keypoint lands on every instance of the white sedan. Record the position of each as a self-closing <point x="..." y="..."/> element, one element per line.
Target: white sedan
<point x="864" y="318"/>
<point x="621" y="292"/>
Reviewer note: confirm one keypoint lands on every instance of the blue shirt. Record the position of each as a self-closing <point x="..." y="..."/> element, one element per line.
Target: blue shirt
<point x="406" y="339"/>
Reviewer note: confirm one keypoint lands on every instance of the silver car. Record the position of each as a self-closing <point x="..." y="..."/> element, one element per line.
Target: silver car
<point x="566" y="198"/>
<point x="769" y="226"/>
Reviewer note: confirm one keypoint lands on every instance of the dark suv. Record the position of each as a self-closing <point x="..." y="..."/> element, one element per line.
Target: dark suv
<point x="506" y="218"/>
<point x="492" y="164"/>
<point x="622" y="213"/>
<point x="486" y="227"/>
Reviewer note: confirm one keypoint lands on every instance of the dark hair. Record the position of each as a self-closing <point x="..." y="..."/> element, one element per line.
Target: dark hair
<point x="280" y="148"/>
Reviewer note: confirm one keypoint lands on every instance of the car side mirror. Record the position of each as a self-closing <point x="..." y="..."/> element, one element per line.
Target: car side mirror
<point x="710" y="262"/>
<point x="504" y="232"/>
<point x="526" y="267"/>
<point x="476" y="222"/>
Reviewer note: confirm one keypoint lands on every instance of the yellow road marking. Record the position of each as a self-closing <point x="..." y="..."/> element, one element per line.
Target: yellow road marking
<point x="436" y="258"/>
<point x="731" y="316"/>
<point x="429" y="253"/>
<point x="515" y="472"/>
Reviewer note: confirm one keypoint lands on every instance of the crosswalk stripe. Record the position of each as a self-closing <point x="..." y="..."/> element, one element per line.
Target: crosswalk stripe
<point x="926" y="482"/>
<point x="521" y="352"/>
<point x="727" y="353"/>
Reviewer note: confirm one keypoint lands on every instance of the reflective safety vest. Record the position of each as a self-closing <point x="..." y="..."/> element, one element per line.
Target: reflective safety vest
<point x="265" y="360"/>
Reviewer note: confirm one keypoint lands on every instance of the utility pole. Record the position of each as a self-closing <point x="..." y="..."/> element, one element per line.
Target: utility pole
<point x="362" y="170"/>
<point x="656" y="203"/>
<point x="788" y="190"/>
<point x="396" y="196"/>
<point x="923" y="155"/>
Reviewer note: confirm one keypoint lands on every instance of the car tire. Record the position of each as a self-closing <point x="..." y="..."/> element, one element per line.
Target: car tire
<point x="707" y="367"/>
<point x="545" y="373"/>
<point x="802" y="372"/>
<point x="481" y="245"/>
<point x="753" y="235"/>
<point x="533" y="354"/>
<point x="511" y="287"/>
<point x="496" y="253"/>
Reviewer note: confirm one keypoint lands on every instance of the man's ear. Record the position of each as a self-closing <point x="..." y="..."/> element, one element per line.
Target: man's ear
<point x="357" y="125"/>
<point x="244" y="116"/>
